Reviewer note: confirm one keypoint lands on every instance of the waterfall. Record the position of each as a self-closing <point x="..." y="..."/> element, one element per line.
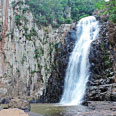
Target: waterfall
<point x="77" y="72"/>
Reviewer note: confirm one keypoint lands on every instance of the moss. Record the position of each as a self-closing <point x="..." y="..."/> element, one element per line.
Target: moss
<point x="46" y="29"/>
<point x="33" y="32"/>
<point x="12" y="35"/>
<point x="5" y="75"/>
<point x="18" y="20"/>
<point x="106" y="57"/>
<point x="25" y="9"/>
<point x="51" y="50"/>
<point x="23" y="59"/>
<point x="17" y="70"/>
<point x="46" y="67"/>
<point x="14" y="3"/>
<point x="52" y="46"/>
<point x="1" y="26"/>
<point x="28" y="36"/>
<point x="102" y="46"/>
<point x="41" y="51"/>
<point x="20" y="8"/>
<point x="37" y="54"/>
<point x="108" y="63"/>
<point x="33" y="72"/>
<point x="39" y="66"/>
<point x="4" y="56"/>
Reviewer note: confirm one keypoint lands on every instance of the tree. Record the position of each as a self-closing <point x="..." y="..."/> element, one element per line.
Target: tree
<point x="48" y="11"/>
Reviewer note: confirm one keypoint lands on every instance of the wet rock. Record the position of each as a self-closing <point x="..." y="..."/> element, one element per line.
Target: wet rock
<point x="85" y="103"/>
<point x="102" y="69"/>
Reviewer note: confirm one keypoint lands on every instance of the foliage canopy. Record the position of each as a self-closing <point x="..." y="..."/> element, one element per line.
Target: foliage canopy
<point x="108" y="8"/>
<point x="57" y="12"/>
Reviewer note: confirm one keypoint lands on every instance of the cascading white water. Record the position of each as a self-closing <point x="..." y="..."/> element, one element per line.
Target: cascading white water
<point x="77" y="72"/>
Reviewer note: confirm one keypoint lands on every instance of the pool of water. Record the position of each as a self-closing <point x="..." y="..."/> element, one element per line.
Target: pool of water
<point x="58" y="110"/>
<point x="95" y="108"/>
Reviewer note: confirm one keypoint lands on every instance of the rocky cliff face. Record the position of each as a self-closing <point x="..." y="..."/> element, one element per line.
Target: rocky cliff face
<point x="27" y="52"/>
<point x="102" y="81"/>
<point x="34" y="59"/>
<point x="54" y="89"/>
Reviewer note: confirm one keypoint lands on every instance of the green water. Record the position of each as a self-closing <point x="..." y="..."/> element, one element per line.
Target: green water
<point x="57" y="110"/>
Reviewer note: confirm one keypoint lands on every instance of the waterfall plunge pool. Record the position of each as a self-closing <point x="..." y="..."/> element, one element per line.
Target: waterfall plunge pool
<point x="94" y="108"/>
<point x="58" y="110"/>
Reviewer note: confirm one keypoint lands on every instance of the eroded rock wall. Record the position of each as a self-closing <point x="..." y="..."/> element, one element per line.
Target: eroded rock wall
<point x="102" y="81"/>
<point x="28" y="52"/>
<point x="54" y="89"/>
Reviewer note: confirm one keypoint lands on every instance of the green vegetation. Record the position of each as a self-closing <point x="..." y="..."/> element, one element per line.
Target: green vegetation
<point x="0" y="26"/>
<point x="51" y="48"/>
<point x="33" y="72"/>
<point x="37" y="54"/>
<point x="108" y="8"/>
<point x="0" y="38"/>
<point x="56" y="12"/>
<point x="14" y="3"/>
<point x="107" y="60"/>
<point x="29" y="34"/>
<point x="23" y="59"/>
<point x="18" y="20"/>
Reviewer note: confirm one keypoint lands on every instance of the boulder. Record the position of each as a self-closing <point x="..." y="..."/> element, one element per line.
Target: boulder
<point x="20" y="104"/>
<point x="4" y="100"/>
<point x="12" y="112"/>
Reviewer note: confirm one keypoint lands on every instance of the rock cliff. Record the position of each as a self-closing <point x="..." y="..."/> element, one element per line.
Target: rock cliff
<point x="27" y="51"/>
<point x="33" y="59"/>
<point x="54" y="89"/>
<point x="102" y="82"/>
